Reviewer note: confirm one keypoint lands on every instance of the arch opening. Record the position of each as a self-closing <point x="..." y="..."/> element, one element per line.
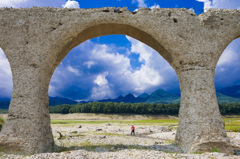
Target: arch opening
<point x="135" y="63"/>
<point x="107" y="67"/>
<point x="6" y="86"/>
<point x="227" y="79"/>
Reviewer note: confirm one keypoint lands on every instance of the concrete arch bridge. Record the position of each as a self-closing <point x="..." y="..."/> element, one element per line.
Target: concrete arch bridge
<point x="35" y="41"/>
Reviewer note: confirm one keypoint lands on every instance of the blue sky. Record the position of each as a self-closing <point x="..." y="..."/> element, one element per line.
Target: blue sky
<point x="109" y="66"/>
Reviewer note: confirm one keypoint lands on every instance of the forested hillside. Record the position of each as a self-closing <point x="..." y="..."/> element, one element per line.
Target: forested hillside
<point x="158" y="96"/>
<point x="134" y="108"/>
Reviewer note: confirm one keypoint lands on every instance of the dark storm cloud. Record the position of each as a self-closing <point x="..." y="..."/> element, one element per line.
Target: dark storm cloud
<point x="94" y="71"/>
<point x="228" y="68"/>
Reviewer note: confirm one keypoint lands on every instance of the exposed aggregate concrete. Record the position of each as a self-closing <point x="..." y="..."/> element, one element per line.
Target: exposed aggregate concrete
<point x="35" y="41"/>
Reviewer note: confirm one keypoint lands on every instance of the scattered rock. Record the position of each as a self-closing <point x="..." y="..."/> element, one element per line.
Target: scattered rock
<point x="103" y="137"/>
<point x="156" y="143"/>
<point x="164" y="129"/>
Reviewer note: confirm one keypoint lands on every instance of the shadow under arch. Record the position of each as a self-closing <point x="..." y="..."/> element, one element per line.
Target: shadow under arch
<point x="113" y="29"/>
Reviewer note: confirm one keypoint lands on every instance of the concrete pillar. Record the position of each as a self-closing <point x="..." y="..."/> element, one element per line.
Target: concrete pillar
<point x="27" y="129"/>
<point x="200" y="126"/>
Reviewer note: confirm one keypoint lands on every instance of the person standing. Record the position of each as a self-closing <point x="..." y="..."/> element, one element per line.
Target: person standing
<point x="133" y="130"/>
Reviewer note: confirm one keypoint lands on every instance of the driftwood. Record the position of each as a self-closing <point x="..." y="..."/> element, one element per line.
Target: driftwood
<point x="60" y="137"/>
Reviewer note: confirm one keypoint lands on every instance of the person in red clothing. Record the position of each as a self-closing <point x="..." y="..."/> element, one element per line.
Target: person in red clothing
<point x="133" y="130"/>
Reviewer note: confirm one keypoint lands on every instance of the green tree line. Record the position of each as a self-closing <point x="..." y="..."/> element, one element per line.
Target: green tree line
<point x="114" y="108"/>
<point x="134" y="108"/>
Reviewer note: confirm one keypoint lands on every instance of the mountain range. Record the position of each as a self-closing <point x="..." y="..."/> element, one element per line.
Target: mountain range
<point x="158" y="96"/>
<point x="162" y="96"/>
<point x="224" y="95"/>
<point x="232" y="91"/>
<point x="4" y="102"/>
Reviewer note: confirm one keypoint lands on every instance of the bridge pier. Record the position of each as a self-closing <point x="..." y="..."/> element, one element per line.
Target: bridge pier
<point x="28" y="129"/>
<point x="200" y="127"/>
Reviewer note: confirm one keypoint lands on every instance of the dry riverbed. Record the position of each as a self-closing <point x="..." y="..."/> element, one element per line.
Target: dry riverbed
<point x="113" y="140"/>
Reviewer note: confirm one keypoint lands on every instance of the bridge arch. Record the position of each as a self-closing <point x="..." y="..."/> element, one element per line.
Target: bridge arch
<point x="191" y="45"/>
<point x="113" y="29"/>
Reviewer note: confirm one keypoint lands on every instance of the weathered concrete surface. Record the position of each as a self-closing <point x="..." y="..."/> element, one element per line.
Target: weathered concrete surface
<point x="36" y="40"/>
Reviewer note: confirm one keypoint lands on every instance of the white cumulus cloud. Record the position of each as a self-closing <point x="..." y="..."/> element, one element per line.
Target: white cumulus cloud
<point x="71" y="4"/>
<point x="5" y="76"/>
<point x="106" y="73"/>
<point x="12" y="3"/>
<point x="141" y="3"/>
<point x="155" y="6"/>
<point x="228" y="66"/>
<point x="101" y="79"/>
<point x="31" y="3"/>
<point x="230" y="55"/>
<point x="156" y="72"/>
<point x="191" y="9"/>
<point x="225" y="4"/>
<point x="73" y="70"/>
<point x="102" y="90"/>
<point x="89" y="64"/>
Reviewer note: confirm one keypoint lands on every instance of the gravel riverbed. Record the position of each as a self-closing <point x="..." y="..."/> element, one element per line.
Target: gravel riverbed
<point x="103" y="141"/>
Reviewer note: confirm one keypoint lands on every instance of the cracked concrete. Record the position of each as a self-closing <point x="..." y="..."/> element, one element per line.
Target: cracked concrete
<point x="36" y="40"/>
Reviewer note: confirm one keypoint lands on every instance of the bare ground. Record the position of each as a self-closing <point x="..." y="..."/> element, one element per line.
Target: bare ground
<point x="113" y="140"/>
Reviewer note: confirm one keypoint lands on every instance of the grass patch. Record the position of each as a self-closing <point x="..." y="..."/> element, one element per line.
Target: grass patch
<point x="232" y="124"/>
<point x="78" y="135"/>
<point x="214" y="149"/>
<point x="169" y="141"/>
<point x="2" y="121"/>
<point x="233" y="128"/>
<point x="86" y="143"/>
<point x="155" y="121"/>
<point x="167" y="122"/>
<point x="198" y="152"/>
<point x="73" y="132"/>
<point x="78" y="122"/>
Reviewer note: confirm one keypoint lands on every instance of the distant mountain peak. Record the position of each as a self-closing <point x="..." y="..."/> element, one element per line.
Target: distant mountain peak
<point x="144" y="95"/>
<point x="129" y="95"/>
<point x="162" y="96"/>
<point x="232" y="91"/>
<point x="120" y="97"/>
